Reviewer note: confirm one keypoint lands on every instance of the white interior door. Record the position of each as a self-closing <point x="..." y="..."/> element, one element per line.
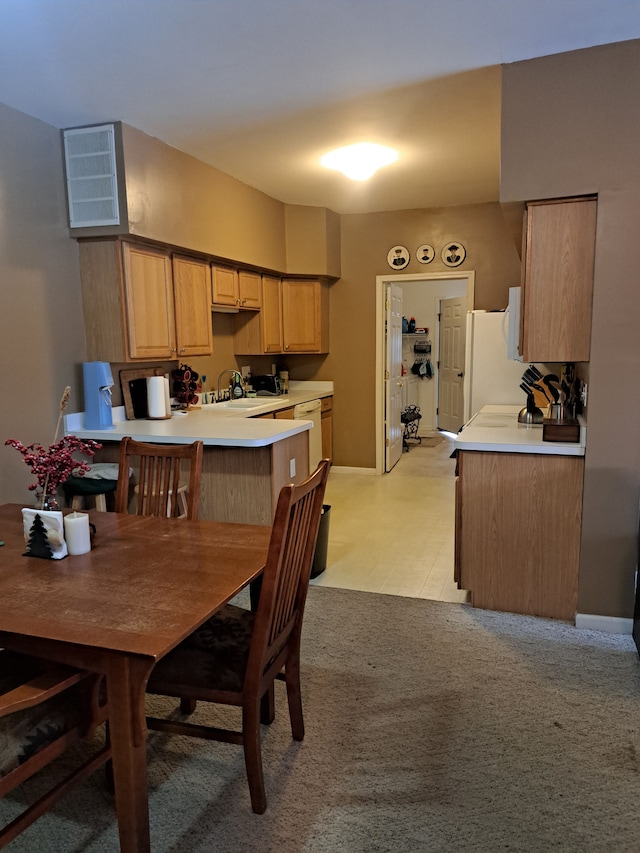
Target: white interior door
<point x="393" y="375"/>
<point x="453" y="331"/>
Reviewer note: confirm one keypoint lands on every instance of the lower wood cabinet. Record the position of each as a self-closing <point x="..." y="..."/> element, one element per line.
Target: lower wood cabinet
<point x="518" y="524"/>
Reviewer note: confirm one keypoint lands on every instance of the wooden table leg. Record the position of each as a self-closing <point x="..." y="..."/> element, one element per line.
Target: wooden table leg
<point x="126" y="682"/>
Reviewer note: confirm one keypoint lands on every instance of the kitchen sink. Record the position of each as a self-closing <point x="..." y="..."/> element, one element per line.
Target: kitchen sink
<point x="241" y="403"/>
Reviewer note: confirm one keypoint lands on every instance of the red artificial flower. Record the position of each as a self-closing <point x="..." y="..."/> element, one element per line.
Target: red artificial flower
<point x="53" y="465"/>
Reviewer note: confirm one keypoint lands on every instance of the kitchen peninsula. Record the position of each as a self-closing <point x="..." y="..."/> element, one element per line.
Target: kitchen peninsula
<point x="248" y="453"/>
<point x="518" y="515"/>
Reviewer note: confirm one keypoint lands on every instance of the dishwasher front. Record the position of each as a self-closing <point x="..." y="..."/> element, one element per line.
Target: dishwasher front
<point x="311" y="411"/>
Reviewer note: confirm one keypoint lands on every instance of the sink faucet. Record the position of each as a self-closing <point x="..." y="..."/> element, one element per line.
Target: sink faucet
<point x="233" y="373"/>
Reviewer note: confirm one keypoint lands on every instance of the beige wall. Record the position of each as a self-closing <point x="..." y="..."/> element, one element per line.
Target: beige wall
<point x="571" y="126"/>
<point x="41" y="327"/>
<point x="366" y="239"/>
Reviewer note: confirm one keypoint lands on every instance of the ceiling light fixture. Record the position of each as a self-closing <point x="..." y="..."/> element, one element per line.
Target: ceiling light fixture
<point x="360" y="161"/>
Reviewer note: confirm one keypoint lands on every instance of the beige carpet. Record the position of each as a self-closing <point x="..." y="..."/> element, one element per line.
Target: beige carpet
<point x="430" y="727"/>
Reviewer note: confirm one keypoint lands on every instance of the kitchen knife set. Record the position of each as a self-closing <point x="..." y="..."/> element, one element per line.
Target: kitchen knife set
<point x="563" y="396"/>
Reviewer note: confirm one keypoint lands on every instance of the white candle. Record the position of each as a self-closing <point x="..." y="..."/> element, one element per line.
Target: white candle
<point x="77" y="533"/>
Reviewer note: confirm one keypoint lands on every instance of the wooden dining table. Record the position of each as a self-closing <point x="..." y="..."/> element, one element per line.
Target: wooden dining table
<point x="146" y="584"/>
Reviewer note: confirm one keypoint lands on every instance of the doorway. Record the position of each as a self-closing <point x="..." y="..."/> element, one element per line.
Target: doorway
<point x="424" y="292"/>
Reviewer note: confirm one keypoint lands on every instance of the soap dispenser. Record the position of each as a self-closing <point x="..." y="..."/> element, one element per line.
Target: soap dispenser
<point x="237" y="389"/>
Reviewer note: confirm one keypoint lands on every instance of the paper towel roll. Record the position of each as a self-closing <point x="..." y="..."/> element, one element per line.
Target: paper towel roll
<point x="156" y="406"/>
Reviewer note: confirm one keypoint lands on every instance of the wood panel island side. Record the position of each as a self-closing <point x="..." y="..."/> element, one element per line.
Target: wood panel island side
<point x="246" y="461"/>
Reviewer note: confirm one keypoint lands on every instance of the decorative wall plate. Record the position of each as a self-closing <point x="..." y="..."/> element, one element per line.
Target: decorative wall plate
<point x="398" y="257"/>
<point x="453" y="254"/>
<point x="425" y="253"/>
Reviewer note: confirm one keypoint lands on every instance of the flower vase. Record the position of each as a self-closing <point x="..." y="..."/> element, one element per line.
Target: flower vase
<point x="48" y="502"/>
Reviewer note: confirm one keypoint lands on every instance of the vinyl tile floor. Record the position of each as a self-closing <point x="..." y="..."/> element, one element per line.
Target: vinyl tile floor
<point x="394" y="534"/>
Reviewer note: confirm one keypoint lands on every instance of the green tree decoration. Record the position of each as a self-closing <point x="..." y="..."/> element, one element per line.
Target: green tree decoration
<point x="38" y="545"/>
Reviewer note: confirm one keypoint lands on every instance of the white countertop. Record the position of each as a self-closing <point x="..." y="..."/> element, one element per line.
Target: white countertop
<point x="496" y="428"/>
<point x="214" y="424"/>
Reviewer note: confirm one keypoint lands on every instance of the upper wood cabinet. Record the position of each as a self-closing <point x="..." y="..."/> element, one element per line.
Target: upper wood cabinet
<point x="269" y="322"/>
<point x="224" y="285"/>
<point x="557" y="281"/>
<point x="294" y="318"/>
<point x="238" y="288"/>
<point x="249" y="289"/>
<point x="305" y="326"/>
<point x="191" y="289"/>
<point x="133" y="308"/>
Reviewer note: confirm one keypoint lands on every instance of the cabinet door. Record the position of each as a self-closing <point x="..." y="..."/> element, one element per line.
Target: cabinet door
<point x="149" y="303"/>
<point x="225" y="285"/>
<point x="192" y="295"/>
<point x="301" y="315"/>
<point x="250" y="289"/>
<point x="271" y="314"/>
<point x="557" y="288"/>
<point x="511" y="553"/>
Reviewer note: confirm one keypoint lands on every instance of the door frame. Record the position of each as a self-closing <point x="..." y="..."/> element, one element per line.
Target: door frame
<point x="399" y="278"/>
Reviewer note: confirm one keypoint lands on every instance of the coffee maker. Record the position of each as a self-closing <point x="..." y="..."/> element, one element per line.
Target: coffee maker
<point x="98" y="382"/>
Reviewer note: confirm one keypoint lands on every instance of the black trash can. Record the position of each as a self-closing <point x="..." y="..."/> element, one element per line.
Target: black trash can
<point x="322" y="543"/>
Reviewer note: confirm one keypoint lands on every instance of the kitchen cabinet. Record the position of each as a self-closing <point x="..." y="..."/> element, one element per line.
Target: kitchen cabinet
<point x="518" y="521"/>
<point x="285" y="413"/>
<point x="267" y="326"/>
<point x="224" y="286"/>
<point x="294" y="318"/>
<point x="191" y="289"/>
<point x="326" y="421"/>
<point x="249" y="289"/>
<point x="134" y="310"/>
<point x="237" y="288"/>
<point x="557" y="279"/>
<point x="305" y="326"/>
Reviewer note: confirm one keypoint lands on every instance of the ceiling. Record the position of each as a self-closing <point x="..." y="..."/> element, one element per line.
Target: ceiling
<point x="262" y="88"/>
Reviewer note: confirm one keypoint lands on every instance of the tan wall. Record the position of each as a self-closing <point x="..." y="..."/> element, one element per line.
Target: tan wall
<point x="571" y="126"/>
<point x="42" y="342"/>
<point x="366" y="239"/>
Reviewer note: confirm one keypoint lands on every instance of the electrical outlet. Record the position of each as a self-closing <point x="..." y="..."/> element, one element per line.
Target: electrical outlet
<point x="246" y="371"/>
<point x="583" y="394"/>
<point x="292" y="467"/>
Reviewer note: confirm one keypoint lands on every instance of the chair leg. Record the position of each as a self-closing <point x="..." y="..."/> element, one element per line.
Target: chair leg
<point x="294" y="695"/>
<point x="101" y="503"/>
<point x="77" y="502"/>
<point x="253" y="756"/>
<point x="181" y="500"/>
<point x="268" y="706"/>
<point x="187" y="705"/>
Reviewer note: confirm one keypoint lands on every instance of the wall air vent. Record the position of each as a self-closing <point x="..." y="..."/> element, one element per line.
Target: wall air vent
<point x="92" y="186"/>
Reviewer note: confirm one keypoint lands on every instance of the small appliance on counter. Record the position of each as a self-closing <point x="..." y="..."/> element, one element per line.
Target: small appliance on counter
<point x="267" y="385"/>
<point x="98" y="382"/>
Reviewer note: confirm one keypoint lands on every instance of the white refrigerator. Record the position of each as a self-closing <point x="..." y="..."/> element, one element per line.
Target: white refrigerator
<point x="490" y="377"/>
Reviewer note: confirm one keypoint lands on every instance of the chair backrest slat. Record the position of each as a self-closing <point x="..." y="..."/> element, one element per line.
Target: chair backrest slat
<point x="158" y="469"/>
<point x="288" y="568"/>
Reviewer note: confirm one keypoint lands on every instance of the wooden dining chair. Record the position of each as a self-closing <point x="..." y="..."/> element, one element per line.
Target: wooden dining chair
<point x="44" y="709"/>
<point x="159" y="490"/>
<point x="234" y="657"/>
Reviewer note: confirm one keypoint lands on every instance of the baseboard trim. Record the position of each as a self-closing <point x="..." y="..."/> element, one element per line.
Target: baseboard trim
<point x="345" y="469"/>
<point x="612" y="624"/>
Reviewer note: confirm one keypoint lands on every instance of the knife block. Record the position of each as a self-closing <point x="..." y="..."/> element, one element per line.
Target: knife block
<point x="565" y="430"/>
